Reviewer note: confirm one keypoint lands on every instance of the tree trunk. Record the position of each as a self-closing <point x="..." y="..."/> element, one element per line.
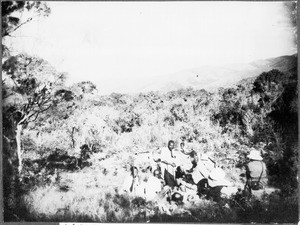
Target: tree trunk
<point x="72" y="137"/>
<point x="19" y="150"/>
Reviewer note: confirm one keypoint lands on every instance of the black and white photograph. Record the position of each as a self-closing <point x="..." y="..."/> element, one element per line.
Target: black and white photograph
<point x="149" y="112"/>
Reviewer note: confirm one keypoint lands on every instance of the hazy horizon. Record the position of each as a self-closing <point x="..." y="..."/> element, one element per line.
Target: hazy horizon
<point x="122" y="46"/>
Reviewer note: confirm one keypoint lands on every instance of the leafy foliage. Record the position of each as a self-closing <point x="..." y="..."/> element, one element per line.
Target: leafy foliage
<point x="12" y="20"/>
<point x="33" y="87"/>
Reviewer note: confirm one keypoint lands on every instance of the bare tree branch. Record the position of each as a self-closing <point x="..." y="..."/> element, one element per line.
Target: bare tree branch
<point x="17" y="27"/>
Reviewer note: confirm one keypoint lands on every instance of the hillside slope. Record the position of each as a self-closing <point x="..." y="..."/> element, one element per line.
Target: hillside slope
<point x="211" y="77"/>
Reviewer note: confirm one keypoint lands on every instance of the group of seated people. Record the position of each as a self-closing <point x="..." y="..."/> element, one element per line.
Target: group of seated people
<point x="180" y="175"/>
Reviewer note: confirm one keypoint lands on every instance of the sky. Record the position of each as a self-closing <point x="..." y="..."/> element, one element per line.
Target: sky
<point x="122" y="45"/>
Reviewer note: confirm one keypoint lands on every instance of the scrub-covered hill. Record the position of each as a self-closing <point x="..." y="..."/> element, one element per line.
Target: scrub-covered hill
<point x="76" y="155"/>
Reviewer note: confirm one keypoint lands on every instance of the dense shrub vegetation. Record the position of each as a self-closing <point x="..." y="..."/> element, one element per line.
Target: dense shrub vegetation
<point x="66" y="149"/>
<point x="106" y="134"/>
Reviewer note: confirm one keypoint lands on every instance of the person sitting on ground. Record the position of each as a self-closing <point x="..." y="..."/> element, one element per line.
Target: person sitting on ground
<point x="183" y="164"/>
<point x="218" y="186"/>
<point x="185" y="170"/>
<point x="185" y="177"/>
<point x="199" y="172"/>
<point x="153" y="184"/>
<point x="132" y="184"/>
<point x="183" y="149"/>
<point x="194" y="160"/>
<point x="184" y="180"/>
<point x="168" y="166"/>
<point x="203" y="167"/>
<point x="256" y="172"/>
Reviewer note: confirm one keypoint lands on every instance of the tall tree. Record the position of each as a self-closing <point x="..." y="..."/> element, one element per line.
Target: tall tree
<point x="32" y="87"/>
<point x="15" y="14"/>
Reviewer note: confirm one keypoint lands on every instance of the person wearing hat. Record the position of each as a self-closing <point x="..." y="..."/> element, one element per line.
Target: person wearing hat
<point x="256" y="171"/>
<point x="218" y="185"/>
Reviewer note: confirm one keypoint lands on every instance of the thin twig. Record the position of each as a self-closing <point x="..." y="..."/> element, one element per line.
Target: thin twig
<point x="17" y="27"/>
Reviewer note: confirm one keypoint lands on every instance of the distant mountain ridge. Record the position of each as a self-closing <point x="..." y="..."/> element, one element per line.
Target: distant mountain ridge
<point x="213" y="77"/>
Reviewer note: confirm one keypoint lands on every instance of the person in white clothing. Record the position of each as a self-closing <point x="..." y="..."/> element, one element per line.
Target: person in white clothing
<point x="168" y="164"/>
<point x="218" y="186"/>
<point x="153" y="185"/>
<point x="132" y="184"/>
<point x="183" y="149"/>
<point x="183" y="161"/>
<point x="203" y="168"/>
<point x="200" y="171"/>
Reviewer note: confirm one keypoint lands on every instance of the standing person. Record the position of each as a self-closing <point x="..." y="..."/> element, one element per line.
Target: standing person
<point x="256" y="172"/>
<point x="168" y="165"/>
